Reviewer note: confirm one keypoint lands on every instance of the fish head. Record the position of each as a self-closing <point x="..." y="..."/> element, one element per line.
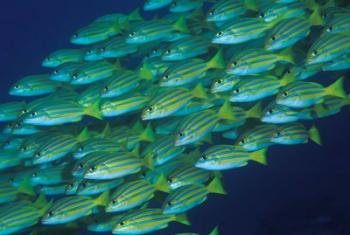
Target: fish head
<point x="223" y="37"/>
<point x="171" y="54"/>
<point x="71" y="188"/>
<point x="116" y="204"/>
<point x="172" y="205"/>
<point x="240" y="94"/>
<point x="170" y="79"/>
<point x="124" y="226"/>
<point x="137" y="37"/>
<point x="238" y="66"/>
<point x="183" y="137"/>
<point x="51" y="62"/>
<point x="36" y="117"/>
<point x="151" y="112"/>
<point x="79" y="78"/>
<point x="20" y="89"/>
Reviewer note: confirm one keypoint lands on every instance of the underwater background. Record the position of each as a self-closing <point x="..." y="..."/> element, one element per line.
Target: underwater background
<point x="303" y="190"/>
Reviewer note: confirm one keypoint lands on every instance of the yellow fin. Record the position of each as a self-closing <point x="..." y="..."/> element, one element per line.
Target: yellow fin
<point x="162" y="184"/>
<point x="147" y="134"/>
<point x="259" y="156"/>
<point x="83" y="135"/>
<point x="103" y="199"/>
<point x="337" y="88"/>
<point x="215" y="231"/>
<point x="217" y="62"/>
<point x="255" y="111"/>
<point x="135" y="15"/>
<point x="94" y="111"/>
<point x="26" y="188"/>
<point x="225" y="112"/>
<point x="182" y="218"/>
<point x="314" y="135"/>
<point x="181" y="26"/>
<point x="199" y="92"/>
<point x="215" y="186"/>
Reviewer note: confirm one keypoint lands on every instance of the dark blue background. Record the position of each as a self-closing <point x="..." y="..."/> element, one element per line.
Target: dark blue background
<point x="304" y="189"/>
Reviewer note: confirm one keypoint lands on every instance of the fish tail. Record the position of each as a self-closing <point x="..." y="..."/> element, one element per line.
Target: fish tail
<point x="215" y="231"/>
<point x="337" y="88"/>
<point x="259" y="156"/>
<point x="26" y="188"/>
<point x="147" y="134"/>
<point x="135" y="15"/>
<point x="314" y="135"/>
<point x="225" y="112"/>
<point x="287" y="56"/>
<point x="215" y="186"/>
<point x="83" y="135"/>
<point x="145" y="72"/>
<point x="255" y="111"/>
<point x="217" y="62"/>
<point x="94" y="111"/>
<point x="162" y="184"/>
<point x="102" y="200"/>
<point x="251" y="5"/>
<point x="182" y="218"/>
<point x="181" y="26"/>
<point x="199" y="92"/>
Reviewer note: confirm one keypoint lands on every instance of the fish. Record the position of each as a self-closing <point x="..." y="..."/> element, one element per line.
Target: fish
<point x="186" y="197"/>
<point x="20" y="215"/>
<point x="186" y="48"/>
<point x="117" y="165"/>
<point x="63" y="56"/>
<point x="34" y="85"/>
<point x="93" y="71"/>
<point x="95" y="144"/>
<point x="256" y="138"/>
<point x="117" y="47"/>
<point x="92" y="187"/>
<point x="71" y="208"/>
<point x="146" y="221"/>
<point x="122" y="105"/>
<point x="301" y="94"/>
<point x="225" y="157"/>
<point x="134" y="193"/>
<point x="10" y="111"/>
<point x="161" y="151"/>
<point x="296" y="133"/>
<point x="328" y="47"/>
<point x="9" y="193"/>
<point x="151" y="5"/>
<point x="256" y="61"/>
<point x="51" y="175"/>
<point x="188" y="175"/>
<point x="189" y="71"/>
<point x="180" y="6"/>
<point x="104" y="223"/>
<point x="119" y="84"/>
<point x="224" y="10"/>
<point x="8" y="159"/>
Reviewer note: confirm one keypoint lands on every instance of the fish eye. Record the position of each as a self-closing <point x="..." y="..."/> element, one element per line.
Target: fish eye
<point x="220" y="33"/>
<point x="55" y="71"/>
<point x="237" y="90"/>
<point x="83" y="185"/>
<point x="234" y="63"/>
<point x="11" y="180"/>
<point x="121" y="223"/>
<point x="166" y="76"/>
<point x="33" y="114"/>
<point x="24" y="148"/>
<point x="105" y="88"/>
<point x="270" y="111"/>
<point x="181" y="134"/>
<point x="132" y="34"/>
<point x="75" y="35"/>
<point x="35" y="174"/>
<point x="38" y="154"/>
<point x="114" y="201"/>
<point x="278" y="133"/>
<point x="174" y="4"/>
<point x="211" y="13"/>
<point x="102" y="49"/>
<point x="288" y="71"/>
<point x="314" y="53"/>
<point x="273" y="37"/>
<point x="285" y="93"/>
<point x="92" y="169"/>
<point x="75" y="76"/>
<point x="155" y="51"/>
<point x="149" y="109"/>
<point x="49" y="214"/>
<point x="89" y="51"/>
<point x="330" y="28"/>
<point x="242" y="141"/>
<point x="81" y="149"/>
<point x="168" y="51"/>
<point x="70" y="185"/>
<point x="262" y="15"/>
<point x="18" y="124"/>
<point x="80" y="166"/>
<point x="48" y="58"/>
<point x="25" y="111"/>
<point x="204" y="157"/>
<point x="169" y="203"/>
<point x="16" y="86"/>
<point x="219" y="81"/>
<point x="143" y="174"/>
<point x="170" y="181"/>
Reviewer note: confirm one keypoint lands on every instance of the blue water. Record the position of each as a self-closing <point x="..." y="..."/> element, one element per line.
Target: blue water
<point x="303" y="191"/>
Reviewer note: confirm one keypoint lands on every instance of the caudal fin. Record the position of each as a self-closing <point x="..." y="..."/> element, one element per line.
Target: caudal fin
<point x="314" y="135"/>
<point x="215" y="186"/>
<point x="259" y="156"/>
<point x="103" y="199"/>
<point x="147" y="134"/>
<point x="217" y="62"/>
<point x="337" y="88"/>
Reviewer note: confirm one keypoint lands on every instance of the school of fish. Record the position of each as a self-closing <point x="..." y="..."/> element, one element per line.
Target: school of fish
<point x="133" y="126"/>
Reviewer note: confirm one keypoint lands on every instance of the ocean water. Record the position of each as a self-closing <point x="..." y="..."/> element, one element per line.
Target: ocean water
<point x="303" y="191"/>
